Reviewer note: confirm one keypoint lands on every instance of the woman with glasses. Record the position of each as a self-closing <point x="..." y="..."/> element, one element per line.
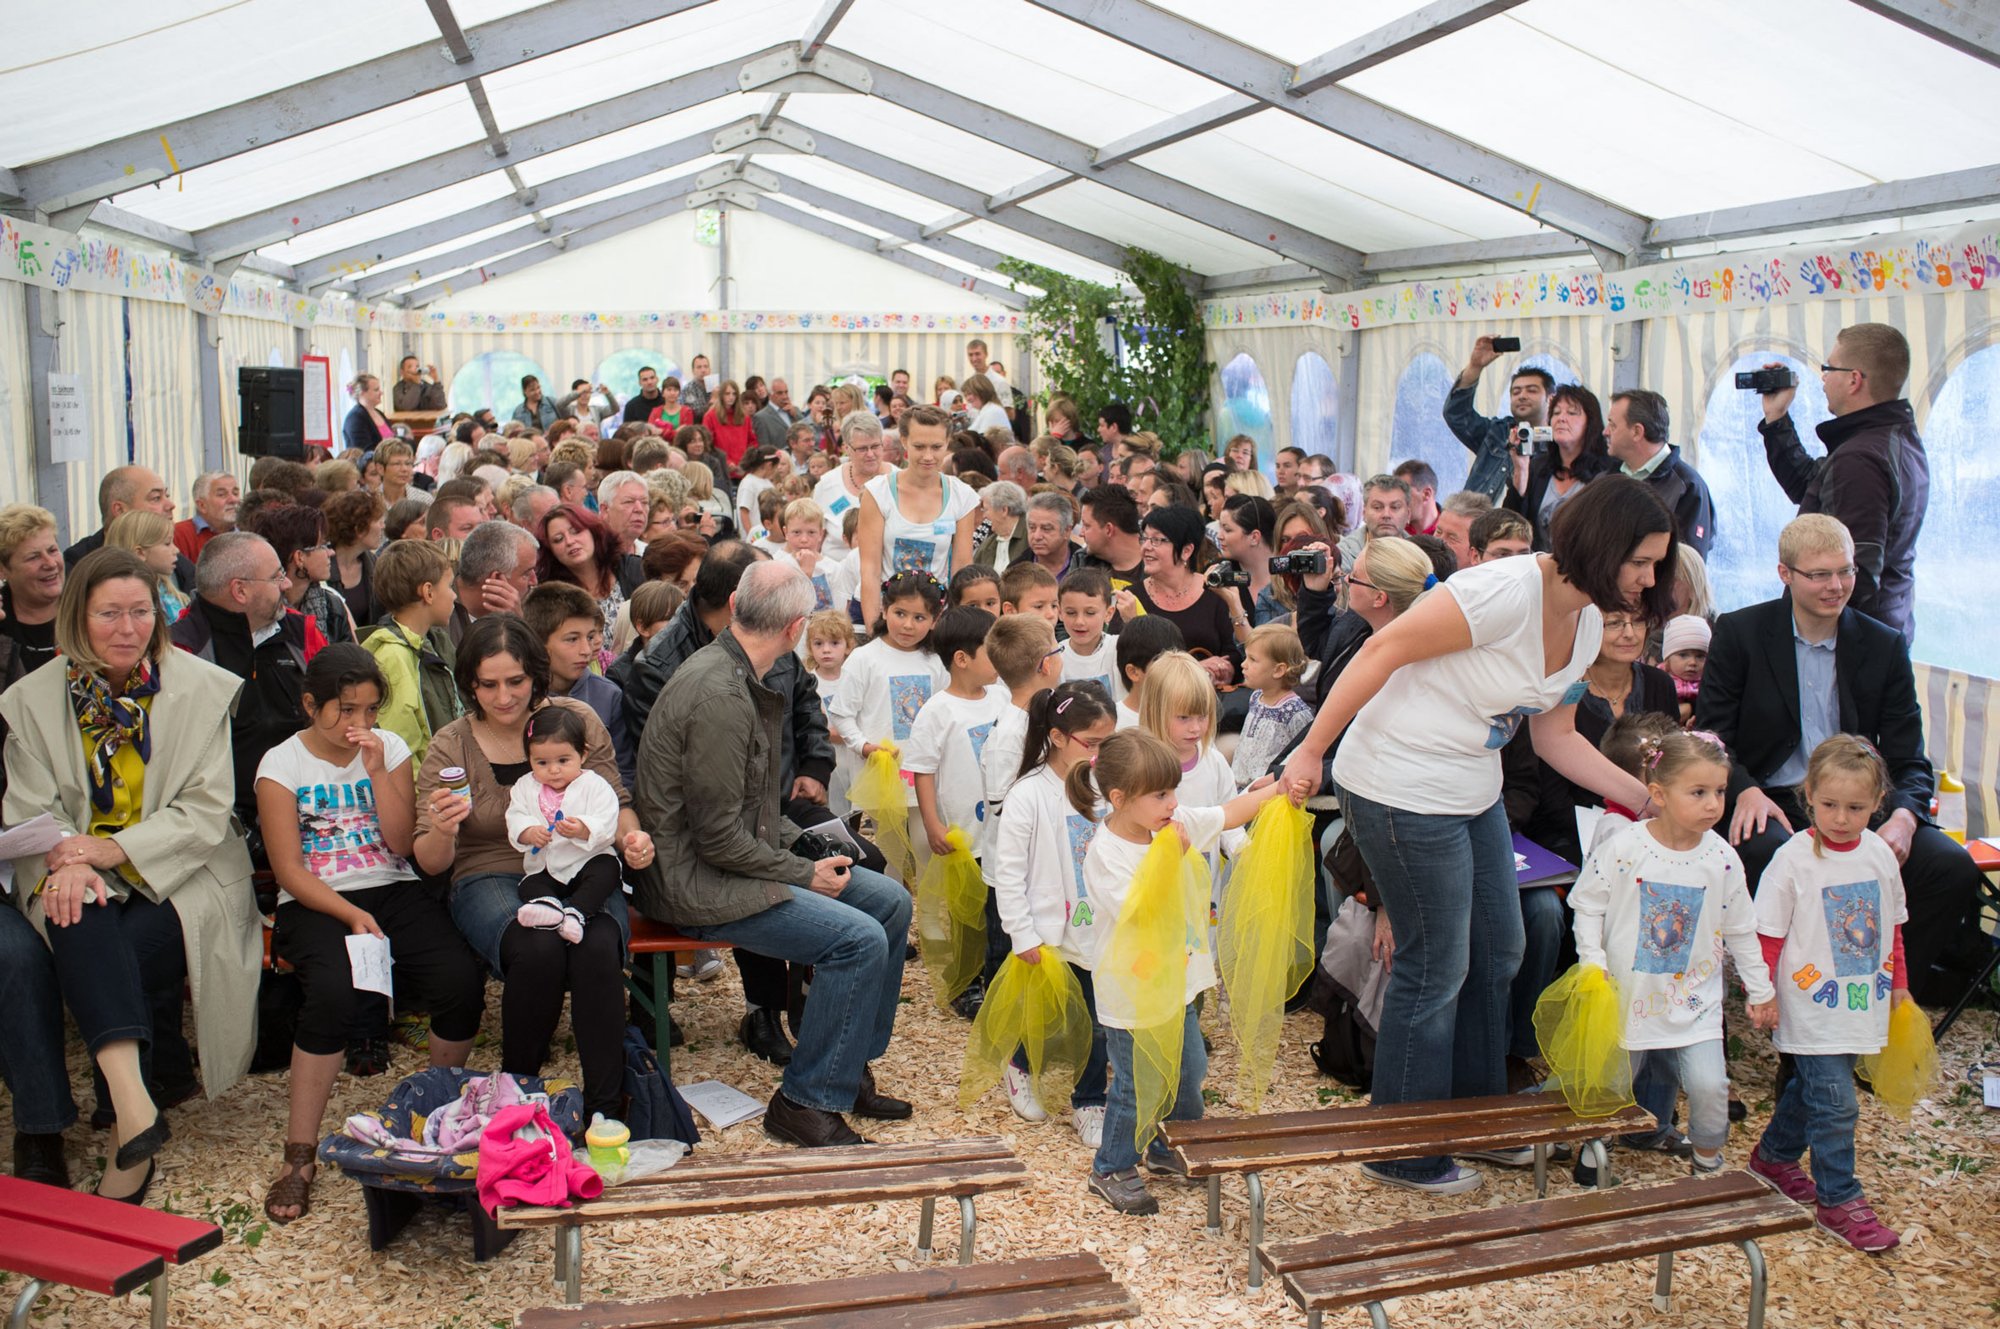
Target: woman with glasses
<point x="1172" y="587"/>
<point x="125" y="741"/>
<point x="1427" y="704"/>
<point x="298" y="533"/>
<point x="863" y="457"/>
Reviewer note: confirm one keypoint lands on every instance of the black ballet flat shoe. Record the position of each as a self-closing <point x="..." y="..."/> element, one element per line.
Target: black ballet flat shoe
<point x="145" y="1144"/>
<point x="137" y="1197"/>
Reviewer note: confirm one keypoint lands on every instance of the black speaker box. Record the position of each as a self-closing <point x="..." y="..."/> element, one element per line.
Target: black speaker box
<point x="272" y="418"/>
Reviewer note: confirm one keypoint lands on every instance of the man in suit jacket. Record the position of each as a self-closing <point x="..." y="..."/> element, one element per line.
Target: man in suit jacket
<point x="1783" y="676"/>
<point x="122" y="490"/>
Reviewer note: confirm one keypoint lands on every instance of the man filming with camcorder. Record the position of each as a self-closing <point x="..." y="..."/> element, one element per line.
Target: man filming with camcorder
<point x="1493" y="440"/>
<point x="1875" y="478"/>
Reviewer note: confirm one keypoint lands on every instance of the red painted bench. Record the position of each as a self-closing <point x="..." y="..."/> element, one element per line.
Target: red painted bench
<point x="54" y="1236"/>
<point x="663" y="944"/>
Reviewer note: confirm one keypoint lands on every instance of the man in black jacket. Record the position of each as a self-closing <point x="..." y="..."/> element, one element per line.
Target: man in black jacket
<point x="1875" y="478"/>
<point x="1635" y="434"/>
<point x="127" y="489"/>
<point x="1787" y="674"/>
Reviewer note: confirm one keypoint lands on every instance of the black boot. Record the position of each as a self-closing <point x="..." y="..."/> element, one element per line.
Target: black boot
<point x="765" y="1037"/>
<point x="40" y="1158"/>
<point x="809" y="1128"/>
<point x="871" y="1102"/>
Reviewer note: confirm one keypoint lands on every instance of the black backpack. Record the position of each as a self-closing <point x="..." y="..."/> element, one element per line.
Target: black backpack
<point x="656" y="1110"/>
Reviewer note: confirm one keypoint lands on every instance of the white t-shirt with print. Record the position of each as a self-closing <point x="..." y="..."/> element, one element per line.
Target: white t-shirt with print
<point x="846" y="761"/>
<point x="832" y="586"/>
<point x="1109" y="866"/>
<point x="949" y="741"/>
<point x="339" y="829"/>
<point x="1838" y="914"/>
<point x="1657" y="920"/>
<point x="915" y="546"/>
<point x="882" y="690"/>
<point x="1100" y="666"/>
<point x="999" y="763"/>
<point x="1430" y="740"/>
<point x="834" y="500"/>
<point x="1035" y="866"/>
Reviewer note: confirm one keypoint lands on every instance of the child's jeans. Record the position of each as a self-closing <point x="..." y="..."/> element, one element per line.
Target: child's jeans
<point x="1699" y="1069"/>
<point x="1121" y="1113"/>
<point x="1816" y="1111"/>
<point x="1089" y="1091"/>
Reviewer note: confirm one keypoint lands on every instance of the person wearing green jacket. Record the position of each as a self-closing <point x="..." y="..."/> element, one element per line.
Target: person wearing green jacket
<point x="413" y="581"/>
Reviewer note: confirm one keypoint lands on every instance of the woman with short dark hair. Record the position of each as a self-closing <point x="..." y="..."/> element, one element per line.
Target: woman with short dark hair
<point x="1170" y="542"/>
<point x="1576" y="456"/>
<point x="298" y="533"/>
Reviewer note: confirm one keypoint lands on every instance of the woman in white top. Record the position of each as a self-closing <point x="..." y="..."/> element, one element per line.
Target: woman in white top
<point x="1433" y="697"/>
<point x="839" y="490"/>
<point x="982" y="398"/>
<point x="917" y="519"/>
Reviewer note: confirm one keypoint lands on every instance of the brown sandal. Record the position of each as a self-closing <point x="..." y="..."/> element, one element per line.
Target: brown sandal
<point x="291" y="1188"/>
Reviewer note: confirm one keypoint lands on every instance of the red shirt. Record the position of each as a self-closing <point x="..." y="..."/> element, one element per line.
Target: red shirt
<point x="190" y="539"/>
<point x="683" y="415"/>
<point x="732" y="440"/>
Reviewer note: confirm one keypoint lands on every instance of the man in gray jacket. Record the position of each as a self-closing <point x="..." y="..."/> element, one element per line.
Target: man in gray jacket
<point x="709" y="792"/>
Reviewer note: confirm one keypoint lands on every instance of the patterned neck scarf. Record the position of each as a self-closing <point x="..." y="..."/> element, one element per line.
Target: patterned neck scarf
<point x="108" y="722"/>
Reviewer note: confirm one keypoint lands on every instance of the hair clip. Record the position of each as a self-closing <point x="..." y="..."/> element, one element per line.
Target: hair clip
<point x="1430" y="580"/>
<point x="1063" y="705"/>
<point x="1650" y="752"/>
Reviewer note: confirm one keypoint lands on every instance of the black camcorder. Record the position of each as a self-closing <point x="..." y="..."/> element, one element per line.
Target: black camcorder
<point x="1767" y="381"/>
<point x="1305" y="562"/>
<point x="1223" y="573"/>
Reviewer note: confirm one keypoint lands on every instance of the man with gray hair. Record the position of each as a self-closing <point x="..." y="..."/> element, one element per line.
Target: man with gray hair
<point x="216" y="494"/>
<point x="532" y="504"/>
<point x="1454" y="522"/>
<point x="623" y="504"/>
<point x="775" y="420"/>
<point x="732" y="868"/>
<point x="496" y="570"/>
<point x="1050" y="518"/>
<point x="128" y="489"/>
<point x="1017" y="464"/>
<point x="1006" y="541"/>
<point x="839" y="490"/>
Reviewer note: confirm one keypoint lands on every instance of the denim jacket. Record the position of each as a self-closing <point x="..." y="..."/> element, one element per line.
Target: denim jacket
<point x="1485" y="436"/>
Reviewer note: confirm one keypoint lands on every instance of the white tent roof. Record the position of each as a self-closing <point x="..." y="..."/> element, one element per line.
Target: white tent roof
<point x="1251" y="140"/>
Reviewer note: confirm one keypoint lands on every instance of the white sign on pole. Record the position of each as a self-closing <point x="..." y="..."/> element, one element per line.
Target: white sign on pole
<point x="69" y="419"/>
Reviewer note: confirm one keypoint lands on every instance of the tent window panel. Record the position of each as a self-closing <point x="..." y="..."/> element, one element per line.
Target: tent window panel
<point x="1750" y="506"/>
<point x="1418" y="429"/>
<point x="1956" y="563"/>
<point x="1315" y="403"/>
<point x="1246" y="407"/>
<point x="494" y="379"/>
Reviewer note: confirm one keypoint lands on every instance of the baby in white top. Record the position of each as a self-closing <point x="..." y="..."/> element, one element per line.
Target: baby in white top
<point x="564" y="819"/>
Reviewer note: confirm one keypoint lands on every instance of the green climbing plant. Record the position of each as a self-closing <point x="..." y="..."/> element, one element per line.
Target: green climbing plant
<point x="1076" y="326"/>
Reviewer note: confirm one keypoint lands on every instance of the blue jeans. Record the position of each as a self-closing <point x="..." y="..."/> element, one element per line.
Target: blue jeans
<point x="1544" y="927"/>
<point x="31" y="1035"/>
<point x="1120" y="1149"/>
<point x="1698" y="1069"/>
<point x="1448" y="883"/>
<point x="855" y="945"/>
<point x="482" y="906"/>
<point x="1817" y="1111"/>
<point x="1089" y="1090"/>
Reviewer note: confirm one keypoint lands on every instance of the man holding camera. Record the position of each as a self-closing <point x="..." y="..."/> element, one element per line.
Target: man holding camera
<point x="1488" y="438"/>
<point x="1635" y="434"/>
<point x="1875" y="478"/>
<point x="730" y="869"/>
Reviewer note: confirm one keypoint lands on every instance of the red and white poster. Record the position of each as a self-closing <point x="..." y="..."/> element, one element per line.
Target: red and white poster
<point x="318" y="391"/>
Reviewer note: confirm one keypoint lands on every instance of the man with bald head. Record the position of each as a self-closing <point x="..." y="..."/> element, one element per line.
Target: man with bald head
<point x="129" y="489"/>
<point x="1017" y="465"/>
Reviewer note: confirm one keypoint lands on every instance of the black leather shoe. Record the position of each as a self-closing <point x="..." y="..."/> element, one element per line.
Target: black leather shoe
<point x="765" y="1037"/>
<point x="871" y="1102"/>
<point x="137" y="1197"/>
<point x="40" y="1158"/>
<point x="808" y="1128"/>
<point x="146" y="1143"/>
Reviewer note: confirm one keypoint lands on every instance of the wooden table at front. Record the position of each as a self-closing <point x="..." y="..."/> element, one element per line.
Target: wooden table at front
<point x="419" y="422"/>
<point x="1255" y="1145"/>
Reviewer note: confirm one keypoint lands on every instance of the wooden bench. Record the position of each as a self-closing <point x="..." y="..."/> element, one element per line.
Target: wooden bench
<point x="1051" y="1291"/>
<point x="1538" y="1237"/>
<point x="1256" y="1145"/>
<point x="789" y="1179"/>
<point x="55" y="1236"/>
<point x="663" y="944"/>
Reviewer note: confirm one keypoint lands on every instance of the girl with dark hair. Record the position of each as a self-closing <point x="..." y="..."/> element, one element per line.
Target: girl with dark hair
<point x="577" y="548"/>
<point x="1170" y="541"/>
<point x="1433" y="697"/>
<point x="337" y="804"/>
<point x="503" y="674"/>
<point x="298" y="533"/>
<point x="1543" y="483"/>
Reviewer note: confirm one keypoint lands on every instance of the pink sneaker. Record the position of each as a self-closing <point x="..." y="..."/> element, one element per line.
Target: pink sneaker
<point x="544" y="914"/>
<point x="1855" y="1223"/>
<point x="1791" y="1180"/>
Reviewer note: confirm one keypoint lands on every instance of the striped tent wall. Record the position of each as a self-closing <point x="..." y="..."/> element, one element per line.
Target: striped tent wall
<point x="17" y="418"/>
<point x="91" y="344"/>
<point x="1962" y="733"/>
<point x="166" y="403"/>
<point x="1276" y="353"/>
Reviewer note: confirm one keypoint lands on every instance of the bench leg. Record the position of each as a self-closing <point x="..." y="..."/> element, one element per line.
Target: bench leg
<point x="1255" y="1180"/>
<point x="926" y="1216"/>
<point x="663" y="1020"/>
<point x="1756" y="1258"/>
<point x="1378" y="1315"/>
<point x="1601" y="1151"/>
<point x="32" y="1293"/>
<point x="1215" y="1205"/>
<point x="1541" y="1171"/>
<point x="1663" y="1283"/>
<point x="968" y="1229"/>
<point x="569" y="1263"/>
<point x="1312" y="1320"/>
<point x="161" y="1299"/>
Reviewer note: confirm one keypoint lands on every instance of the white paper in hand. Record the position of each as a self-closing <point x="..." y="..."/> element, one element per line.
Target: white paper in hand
<point x="368" y="955"/>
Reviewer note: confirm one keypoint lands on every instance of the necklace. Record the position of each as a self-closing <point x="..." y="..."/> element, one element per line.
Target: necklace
<point x="1615" y="699"/>
<point x="1167" y="599"/>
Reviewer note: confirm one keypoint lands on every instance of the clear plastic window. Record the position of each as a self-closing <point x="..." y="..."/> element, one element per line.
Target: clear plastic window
<point x="1315" y="426"/>
<point x="1955" y="557"/>
<point x="1750" y="508"/>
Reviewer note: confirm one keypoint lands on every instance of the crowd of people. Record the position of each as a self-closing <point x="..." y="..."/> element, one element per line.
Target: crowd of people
<point x="488" y="694"/>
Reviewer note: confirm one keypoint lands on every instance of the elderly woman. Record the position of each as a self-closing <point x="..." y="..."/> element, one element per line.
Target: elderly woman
<point x="1051" y="517"/>
<point x="126" y="742"/>
<point x="1006" y="542"/>
<point x="503" y="675"/>
<point x="864" y="457"/>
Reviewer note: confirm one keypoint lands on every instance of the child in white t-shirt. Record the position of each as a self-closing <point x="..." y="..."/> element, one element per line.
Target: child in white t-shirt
<point x="1655" y="908"/>
<point x="976" y="587"/>
<point x="1023" y="652"/>
<point x="1628" y="744"/>
<point x="1091" y="653"/>
<point x="1136" y="774"/>
<point x="563" y="817"/>
<point x="829" y="641"/>
<point x="1178" y="704"/>
<point x="805" y="531"/>
<point x="1273" y="659"/>
<point x="952" y="730"/>
<point x="1143" y="640"/>
<point x="1830" y="910"/>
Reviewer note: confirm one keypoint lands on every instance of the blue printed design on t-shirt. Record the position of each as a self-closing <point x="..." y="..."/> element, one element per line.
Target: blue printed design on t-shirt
<point x="1854" y="926"/>
<point x="907" y="695"/>
<point x="1081" y="828"/>
<point x="1667" y="918"/>
<point x="822" y="596"/>
<point x="909" y="555"/>
<point x="978" y="735"/>
<point x="1502" y="728"/>
<point x="840" y="505"/>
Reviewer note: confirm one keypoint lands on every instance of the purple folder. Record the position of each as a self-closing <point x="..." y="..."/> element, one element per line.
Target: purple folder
<point x="1536" y="866"/>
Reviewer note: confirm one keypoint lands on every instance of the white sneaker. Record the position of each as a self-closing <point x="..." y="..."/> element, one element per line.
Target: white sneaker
<point x="1089" y="1125"/>
<point x="1021" y="1094"/>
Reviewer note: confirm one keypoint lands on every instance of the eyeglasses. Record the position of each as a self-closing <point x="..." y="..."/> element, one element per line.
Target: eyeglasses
<point x="1348" y="580"/>
<point x="1836" y="369"/>
<point x="111" y="618"/>
<point x="280" y="580"/>
<point x="1152" y="541"/>
<point x="1623" y="625"/>
<point x="1821" y="576"/>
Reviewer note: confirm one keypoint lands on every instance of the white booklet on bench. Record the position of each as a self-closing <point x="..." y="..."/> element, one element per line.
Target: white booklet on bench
<point x="720" y="1105"/>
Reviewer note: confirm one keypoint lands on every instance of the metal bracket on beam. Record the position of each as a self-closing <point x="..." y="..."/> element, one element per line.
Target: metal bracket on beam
<point x="951" y="223"/>
<point x="787" y="71"/>
<point x="748" y="136"/>
<point x="753" y="175"/>
<point x="526" y="196"/>
<point x="889" y="244"/>
<point x="737" y="195"/>
<point x="70" y="219"/>
<point x="452" y="57"/>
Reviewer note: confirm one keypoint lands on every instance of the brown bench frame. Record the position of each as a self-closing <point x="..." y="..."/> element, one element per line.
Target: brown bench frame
<point x="1400" y="1130"/>
<point x="1762" y="1212"/>
<point x="770" y="1179"/>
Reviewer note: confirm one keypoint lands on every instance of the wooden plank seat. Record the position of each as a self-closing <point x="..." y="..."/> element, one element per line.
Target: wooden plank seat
<point x="1253" y="1146"/>
<point x="1540" y="1236"/>
<point x="1049" y="1291"/>
<point x="663" y="945"/>
<point x="789" y="1179"/>
<point x="54" y="1236"/>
